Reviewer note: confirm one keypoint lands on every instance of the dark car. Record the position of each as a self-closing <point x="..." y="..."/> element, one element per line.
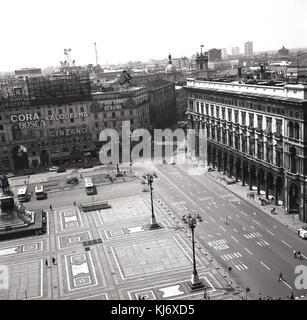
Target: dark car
<point x="73" y="180"/>
<point x="61" y="170"/>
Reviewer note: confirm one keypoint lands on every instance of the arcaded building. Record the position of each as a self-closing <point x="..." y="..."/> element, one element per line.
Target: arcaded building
<point x="257" y="134"/>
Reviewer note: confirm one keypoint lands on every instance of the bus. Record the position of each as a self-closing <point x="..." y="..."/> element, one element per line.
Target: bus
<point x="39" y="192"/>
<point x="23" y="194"/>
<point x="89" y="186"/>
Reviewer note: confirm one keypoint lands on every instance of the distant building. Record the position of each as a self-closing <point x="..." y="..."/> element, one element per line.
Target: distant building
<point x="162" y="103"/>
<point x="224" y="53"/>
<point x="170" y="68"/>
<point x="26" y="73"/>
<point x="235" y="51"/>
<point x="215" y="55"/>
<point x="297" y="70"/>
<point x="248" y="49"/>
<point x="283" y="51"/>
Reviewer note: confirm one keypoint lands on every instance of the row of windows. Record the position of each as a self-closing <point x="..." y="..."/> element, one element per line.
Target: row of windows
<point x="244" y="104"/>
<point x="236" y="116"/>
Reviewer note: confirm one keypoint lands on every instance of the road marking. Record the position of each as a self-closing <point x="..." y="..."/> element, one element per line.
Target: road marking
<point x="235" y="230"/>
<point x="248" y="251"/>
<point x="244" y="213"/>
<point x="286" y="284"/>
<point x="256" y="222"/>
<point x="252" y="227"/>
<point x="287" y="244"/>
<point x="265" y="265"/>
<point x="234" y="239"/>
<point x="222" y="228"/>
<point x="211" y="236"/>
<point x="237" y="216"/>
<point x="212" y="219"/>
<point x="270" y="232"/>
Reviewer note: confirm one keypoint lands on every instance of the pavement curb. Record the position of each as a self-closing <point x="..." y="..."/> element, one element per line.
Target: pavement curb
<point x="251" y="202"/>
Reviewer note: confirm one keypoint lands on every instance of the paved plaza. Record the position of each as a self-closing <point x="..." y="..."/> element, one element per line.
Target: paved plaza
<point x="109" y="254"/>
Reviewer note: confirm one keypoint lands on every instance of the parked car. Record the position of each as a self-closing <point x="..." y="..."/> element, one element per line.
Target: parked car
<point x="61" y="170"/>
<point x="53" y="169"/>
<point x="73" y="180"/>
<point x="10" y="175"/>
<point x="302" y="232"/>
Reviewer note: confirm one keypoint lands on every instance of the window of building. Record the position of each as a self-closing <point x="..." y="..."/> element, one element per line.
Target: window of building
<point x="212" y="110"/>
<point x="236" y="116"/>
<point x="197" y="107"/>
<point x="223" y="113"/>
<point x="49" y="112"/>
<point x="259" y="122"/>
<point x="217" y="111"/>
<point x="296" y="130"/>
<point x="71" y="110"/>
<point x="3" y="138"/>
<point x="229" y="115"/>
<point x="207" y="109"/>
<point x="82" y="109"/>
<point x="1" y="127"/>
<point x="268" y="125"/>
<point x="96" y="116"/>
<point x="243" y="118"/>
<point x="291" y="129"/>
<point x="202" y="108"/>
<point x="251" y="120"/>
<point x="113" y="114"/>
<point x="60" y="111"/>
<point x="72" y="120"/>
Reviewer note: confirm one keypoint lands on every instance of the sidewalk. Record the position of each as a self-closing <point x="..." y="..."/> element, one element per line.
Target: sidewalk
<point x="242" y="192"/>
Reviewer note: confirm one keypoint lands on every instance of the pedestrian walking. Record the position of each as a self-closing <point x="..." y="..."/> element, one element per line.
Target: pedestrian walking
<point x="25" y="182"/>
<point x="291" y="296"/>
<point x="74" y="203"/>
<point x="300" y="255"/>
<point x="46" y="263"/>
<point x="294" y="253"/>
<point x="280" y="277"/>
<point x="53" y="260"/>
<point x="80" y="175"/>
<point x="50" y="207"/>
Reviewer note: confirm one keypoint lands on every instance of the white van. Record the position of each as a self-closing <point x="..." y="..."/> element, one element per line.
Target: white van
<point x="23" y="194"/>
<point x="40" y="192"/>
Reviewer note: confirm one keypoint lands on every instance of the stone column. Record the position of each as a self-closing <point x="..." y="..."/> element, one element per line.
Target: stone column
<point x="275" y="192"/>
<point x="258" y="183"/>
<point x="243" y="178"/>
<point x="266" y="187"/>
<point x="250" y="179"/>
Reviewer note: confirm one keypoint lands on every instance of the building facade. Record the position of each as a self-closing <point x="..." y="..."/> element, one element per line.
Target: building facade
<point x="162" y="97"/>
<point x="256" y="134"/>
<point x="60" y="129"/>
<point x="215" y="55"/>
<point x="248" y="49"/>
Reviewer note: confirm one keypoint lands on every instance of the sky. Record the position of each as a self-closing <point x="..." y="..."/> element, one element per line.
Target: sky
<point x="34" y="33"/>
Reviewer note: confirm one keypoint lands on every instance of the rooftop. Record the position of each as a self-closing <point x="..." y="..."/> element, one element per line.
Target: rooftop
<point x="158" y="83"/>
<point x="297" y="92"/>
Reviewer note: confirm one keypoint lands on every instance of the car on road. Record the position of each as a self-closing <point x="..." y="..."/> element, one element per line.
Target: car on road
<point x="302" y="232"/>
<point x="73" y="180"/>
<point x="59" y="170"/>
<point x="53" y="169"/>
<point x="9" y="175"/>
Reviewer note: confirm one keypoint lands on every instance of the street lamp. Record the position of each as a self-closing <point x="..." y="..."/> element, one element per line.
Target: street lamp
<point x="195" y="282"/>
<point x="149" y="177"/>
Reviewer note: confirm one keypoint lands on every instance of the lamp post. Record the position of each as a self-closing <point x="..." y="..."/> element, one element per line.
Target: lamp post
<point x="149" y="177"/>
<point x="195" y="282"/>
